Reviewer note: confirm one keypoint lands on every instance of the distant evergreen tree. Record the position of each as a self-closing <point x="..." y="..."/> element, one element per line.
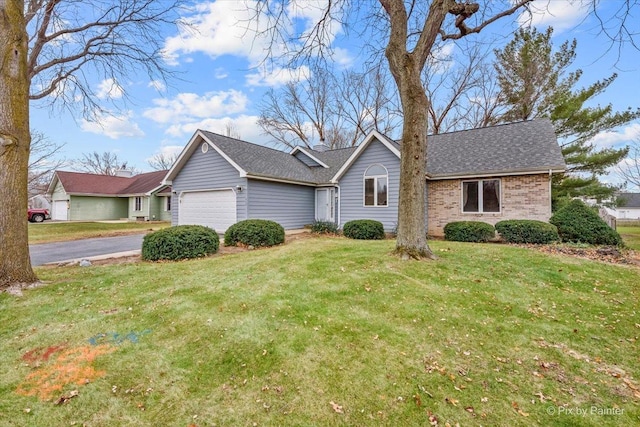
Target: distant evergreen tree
<point x="535" y="82"/>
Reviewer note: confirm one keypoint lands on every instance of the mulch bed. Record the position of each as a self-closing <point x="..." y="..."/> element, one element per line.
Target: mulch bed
<point x="609" y="254"/>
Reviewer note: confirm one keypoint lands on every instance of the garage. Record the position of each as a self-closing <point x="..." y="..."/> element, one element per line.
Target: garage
<point x="59" y="210"/>
<point x="215" y="209"/>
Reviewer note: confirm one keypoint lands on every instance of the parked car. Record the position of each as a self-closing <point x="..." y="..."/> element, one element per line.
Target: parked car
<point x="38" y="215"/>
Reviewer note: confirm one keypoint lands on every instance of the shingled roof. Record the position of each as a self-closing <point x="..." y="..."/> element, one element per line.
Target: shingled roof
<point x="80" y="183"/>
<point x="516" y="148"/>
<point x="260" y="161"/>
<point x="629" y="200"/>
<point x="520" y="147"/>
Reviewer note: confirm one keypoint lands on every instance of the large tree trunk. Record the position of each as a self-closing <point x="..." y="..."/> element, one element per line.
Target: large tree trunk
<point x="406" y="68"/>
<point x="15" y="265"/>
<point x="412" y="231"/>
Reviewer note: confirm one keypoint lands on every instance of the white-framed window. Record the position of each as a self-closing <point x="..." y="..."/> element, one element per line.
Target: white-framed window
<point x="167" y="206"/>
<point x="376" y="186"/>
<point x="204" y="148"/>
<point x="137" y="204"/>
<point x="481" y="196"/>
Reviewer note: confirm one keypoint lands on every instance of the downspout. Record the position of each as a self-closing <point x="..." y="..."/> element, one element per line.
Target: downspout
<point x="339" y="205"/>
<point x="550" y="194"/>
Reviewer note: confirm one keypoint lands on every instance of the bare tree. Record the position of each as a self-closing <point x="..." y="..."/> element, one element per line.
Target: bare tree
<point x="230" y="130"/>
<point x="106" y="163"/>
<point x="43" y="161"/>
<point x="461" y="92"/>
<point x="301" y="111"/>
<point x="366" y="101"/>
<point x="333" y="110"/>
<point x="409" y="30"/>
<point x="162" y="161"/>
<point x="47" y="50"/>
<point x="629" y="169"/>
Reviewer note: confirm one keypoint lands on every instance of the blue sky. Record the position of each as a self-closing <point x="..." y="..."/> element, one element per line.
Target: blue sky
<point x="221" y="83"/>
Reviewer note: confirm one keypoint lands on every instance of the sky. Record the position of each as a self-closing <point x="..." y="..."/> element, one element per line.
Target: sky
<point x="221" y="83"/>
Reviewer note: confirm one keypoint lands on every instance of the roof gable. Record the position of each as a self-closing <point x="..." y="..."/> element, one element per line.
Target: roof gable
<point x="107" y="185"/>
<point x="374" y="135"/>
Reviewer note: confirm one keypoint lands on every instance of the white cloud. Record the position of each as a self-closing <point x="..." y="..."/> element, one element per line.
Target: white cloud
<point x="113" y="126"/>
<point x="245" y="126"/>
<point x="191" y="106"/>
<point x="220" y="28"/>
<point x="109" y="89"/>
<point x="236" y="28"/>
<point x="561" y="15"/>
<point x="611" y="138"/>
<point x="278" y="77"/>
<point x="157" y="85"/>
<point x="220" y="73"/>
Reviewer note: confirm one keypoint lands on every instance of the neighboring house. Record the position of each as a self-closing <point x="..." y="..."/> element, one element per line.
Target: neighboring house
<point x="39" y="201"/>
<point x="629" y="207"/>
<point x="91" y="197"/>
<point x="488" y="174"/>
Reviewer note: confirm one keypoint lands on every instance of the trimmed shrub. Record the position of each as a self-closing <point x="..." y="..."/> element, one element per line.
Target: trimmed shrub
<point x="364" y="229"/>
<point x="469" y="231"/>
<point x="324" y="227"/>
<point x="527" y="231"/>
<point x="579" y="223"/>
<point x="180" y="242"/>
<point x="254" y="232"/>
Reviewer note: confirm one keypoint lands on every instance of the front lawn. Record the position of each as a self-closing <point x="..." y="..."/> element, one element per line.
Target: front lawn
<point x="631" y="236"/>
<point x="46" y="232"/>
<point x="327" y="331"/>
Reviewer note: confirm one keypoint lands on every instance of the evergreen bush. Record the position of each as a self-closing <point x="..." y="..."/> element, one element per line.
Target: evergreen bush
<point x="527" y="231"/>
<point x="180" y="242"/>
<point x="579" y="223"/>
<point x="254" y="232"/>
<point x="469" y="231"/>
<point x="364" y="229"/>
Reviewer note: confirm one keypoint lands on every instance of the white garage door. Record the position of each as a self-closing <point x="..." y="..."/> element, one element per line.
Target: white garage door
<point x="59" y="210"/>
<point x="215" y="209"/>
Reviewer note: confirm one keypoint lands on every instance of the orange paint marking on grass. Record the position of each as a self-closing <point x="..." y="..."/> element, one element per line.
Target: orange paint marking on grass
<point x="71" y="366"/>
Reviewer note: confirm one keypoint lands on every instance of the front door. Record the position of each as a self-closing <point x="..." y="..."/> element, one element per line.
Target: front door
<point x="325" y="204"/>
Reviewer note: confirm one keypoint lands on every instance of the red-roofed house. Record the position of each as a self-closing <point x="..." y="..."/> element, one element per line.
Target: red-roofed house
<point x="90" y="197"/>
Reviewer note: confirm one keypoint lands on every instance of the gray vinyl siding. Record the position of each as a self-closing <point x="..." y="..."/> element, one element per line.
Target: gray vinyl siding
<point x="292" y="206"/>
<point x="305" y="159"/>
<point x="208" y="171"/>
<point x="352" y="187"/>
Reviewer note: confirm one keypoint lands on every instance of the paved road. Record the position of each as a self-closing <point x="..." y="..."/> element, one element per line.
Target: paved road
<point x="44" y="253"/>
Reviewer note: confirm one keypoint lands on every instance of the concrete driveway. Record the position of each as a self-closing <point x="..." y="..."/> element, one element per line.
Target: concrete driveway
<point x="45" y="253"/>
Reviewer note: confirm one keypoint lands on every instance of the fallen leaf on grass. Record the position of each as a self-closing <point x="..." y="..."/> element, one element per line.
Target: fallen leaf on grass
<point x="470" y="410"/>
<point x="337" y="408"/>
<point x="65" y="399"/>
<point x="433" y="420"/>
<point x="453" y="402"/>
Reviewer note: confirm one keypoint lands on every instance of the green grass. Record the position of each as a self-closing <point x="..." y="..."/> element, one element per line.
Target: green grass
<point x="61" y="231"/>
<point x="631" y="236"/>
<point x="488" y="334"/>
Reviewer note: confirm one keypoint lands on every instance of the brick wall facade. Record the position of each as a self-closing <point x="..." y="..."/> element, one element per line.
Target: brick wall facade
<point x="521" y="197"/>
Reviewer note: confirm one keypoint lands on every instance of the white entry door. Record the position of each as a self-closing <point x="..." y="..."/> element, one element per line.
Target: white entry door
<point x="215" y="209"/>
<point x="59" y="210"/>
<point x="325" y="204"/>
